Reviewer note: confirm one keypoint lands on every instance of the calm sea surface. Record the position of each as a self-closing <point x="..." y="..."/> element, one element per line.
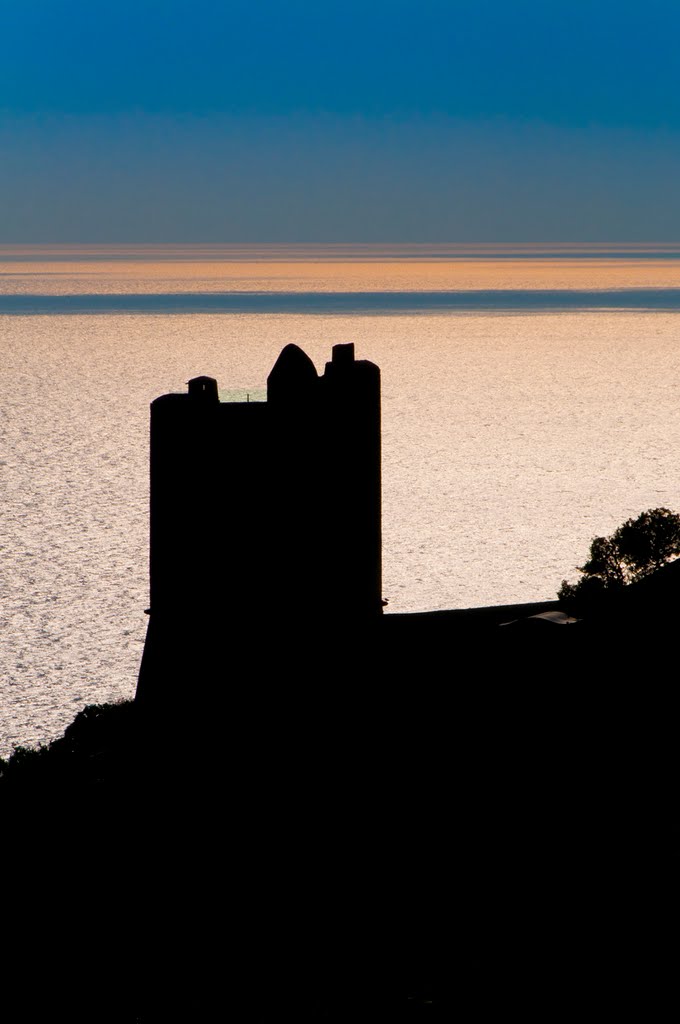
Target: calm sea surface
<point x="531" y="400"/>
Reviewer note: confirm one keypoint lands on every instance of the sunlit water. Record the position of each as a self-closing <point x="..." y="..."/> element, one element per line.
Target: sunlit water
<point x="509" y="438"/>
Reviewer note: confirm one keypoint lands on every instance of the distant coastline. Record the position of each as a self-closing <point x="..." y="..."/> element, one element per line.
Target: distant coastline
<point x="360" y="251"/>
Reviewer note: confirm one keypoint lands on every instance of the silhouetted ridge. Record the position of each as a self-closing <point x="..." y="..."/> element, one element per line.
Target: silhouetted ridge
<point x="312" y="810"/>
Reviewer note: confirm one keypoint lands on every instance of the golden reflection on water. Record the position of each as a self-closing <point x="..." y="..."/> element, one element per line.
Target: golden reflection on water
<point x="37" y="271"/>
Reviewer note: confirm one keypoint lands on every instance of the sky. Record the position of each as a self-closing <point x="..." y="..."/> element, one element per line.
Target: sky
<point x="290" y="121"/>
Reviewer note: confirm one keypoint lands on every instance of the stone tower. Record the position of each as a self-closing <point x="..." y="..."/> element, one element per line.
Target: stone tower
<point x="265" y="517"/>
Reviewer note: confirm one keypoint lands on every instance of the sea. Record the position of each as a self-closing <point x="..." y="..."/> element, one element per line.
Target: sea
<point x="531" y="401"/>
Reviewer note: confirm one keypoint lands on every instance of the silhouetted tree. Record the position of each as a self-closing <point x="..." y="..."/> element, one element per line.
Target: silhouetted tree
<point x="637" y="549"/>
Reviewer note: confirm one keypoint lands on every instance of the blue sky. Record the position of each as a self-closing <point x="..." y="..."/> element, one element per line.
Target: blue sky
<point x="166" y="121"/>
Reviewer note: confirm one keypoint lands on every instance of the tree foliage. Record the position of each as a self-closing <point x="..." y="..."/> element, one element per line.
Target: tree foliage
<point x="637" y="549"/>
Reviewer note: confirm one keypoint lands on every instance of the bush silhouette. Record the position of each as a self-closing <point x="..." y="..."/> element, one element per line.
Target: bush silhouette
<point x="635" y="550"/>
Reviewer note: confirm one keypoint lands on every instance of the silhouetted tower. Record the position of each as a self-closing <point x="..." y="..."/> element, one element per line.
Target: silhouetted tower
<point x="265" y="517"/>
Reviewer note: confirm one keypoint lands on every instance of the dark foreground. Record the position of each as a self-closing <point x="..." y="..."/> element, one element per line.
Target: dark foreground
<point x="453" y="819"/>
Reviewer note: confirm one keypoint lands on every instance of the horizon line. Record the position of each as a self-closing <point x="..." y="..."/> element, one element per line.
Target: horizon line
<point x="384" y="251"/>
